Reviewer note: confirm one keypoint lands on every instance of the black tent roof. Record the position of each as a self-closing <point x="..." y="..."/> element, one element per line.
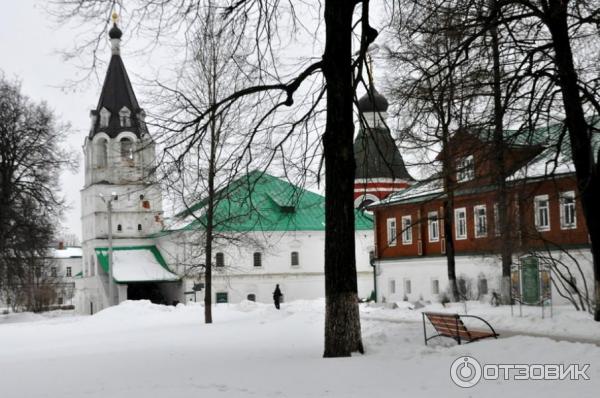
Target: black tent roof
<point x="117" y="93"/>
<point x="377" y="155"/>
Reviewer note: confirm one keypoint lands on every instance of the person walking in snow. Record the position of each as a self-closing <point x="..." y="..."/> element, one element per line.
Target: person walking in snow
<point x="277" y="296"/>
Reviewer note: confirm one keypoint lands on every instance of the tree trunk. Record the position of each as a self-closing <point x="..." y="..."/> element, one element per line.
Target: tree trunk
<point x="450" y="251"/>
<point x="447" y="172"/>
<point x="581" y="147"/>
<point x="504" y="227"/>
<point x="342" y="319"/>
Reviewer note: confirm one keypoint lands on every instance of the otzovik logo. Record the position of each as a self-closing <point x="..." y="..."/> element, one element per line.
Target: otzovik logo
<point x="466" y="372"/>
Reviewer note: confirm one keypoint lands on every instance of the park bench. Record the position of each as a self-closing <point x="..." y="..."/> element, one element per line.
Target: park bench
<point x="451" y="325"/>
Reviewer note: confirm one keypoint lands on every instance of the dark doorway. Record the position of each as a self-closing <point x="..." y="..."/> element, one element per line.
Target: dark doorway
<point x="145" y="291"/>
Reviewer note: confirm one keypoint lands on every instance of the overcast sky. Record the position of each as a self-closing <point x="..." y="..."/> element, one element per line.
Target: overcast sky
<point x="30" y="42"/>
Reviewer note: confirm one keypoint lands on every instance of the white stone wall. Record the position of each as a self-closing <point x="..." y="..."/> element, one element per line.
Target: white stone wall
<point x="421" y="272"/>
<point x="239" y="277"/>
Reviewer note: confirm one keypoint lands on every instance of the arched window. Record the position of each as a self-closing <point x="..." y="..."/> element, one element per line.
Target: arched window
<point x="139" y="227"/>
<point x="257" y="259"/>
<point x="127" y="149"/>
<point x="119" y="228"/>
<point x="104" y="117"/>
<point x="101" y="149"/>
<point x="295" y="259"/>
<point x="220" y="260"/>
<point x="125" y="117"/>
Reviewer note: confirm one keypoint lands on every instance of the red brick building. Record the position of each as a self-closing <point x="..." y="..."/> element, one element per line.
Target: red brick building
<point x="543" y="211"/>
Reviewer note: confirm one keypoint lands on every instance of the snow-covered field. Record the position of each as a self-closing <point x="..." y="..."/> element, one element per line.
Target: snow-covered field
<point x="142" y="350"/>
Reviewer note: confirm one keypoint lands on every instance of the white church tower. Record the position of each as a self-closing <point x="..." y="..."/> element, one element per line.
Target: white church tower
<point x="119" y="164"/>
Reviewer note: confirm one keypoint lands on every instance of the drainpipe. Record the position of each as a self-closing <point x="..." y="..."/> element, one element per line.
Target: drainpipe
<point x="372" y="262"/>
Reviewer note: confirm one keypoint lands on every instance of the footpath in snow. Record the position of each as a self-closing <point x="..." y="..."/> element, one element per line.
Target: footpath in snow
<point x="138" y="349"/>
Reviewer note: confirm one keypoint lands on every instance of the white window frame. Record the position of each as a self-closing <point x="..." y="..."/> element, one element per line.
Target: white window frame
<point x="536" y="212"/>
<point x="458" y="211"/>
<point x="125" y="117"/>
<point x="392" y="231"/>
<point x="69" y="272"/>
<point x="104" y="117"/>
<point x="563" y="210"/>
<point x="433" y="219"/>
<point x="407" y="230"/>
<point x="465" y="169"/>
<point x="476" y="209"/>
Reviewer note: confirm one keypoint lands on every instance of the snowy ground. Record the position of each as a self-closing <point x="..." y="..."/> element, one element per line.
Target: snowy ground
<point x="141" y="350"/>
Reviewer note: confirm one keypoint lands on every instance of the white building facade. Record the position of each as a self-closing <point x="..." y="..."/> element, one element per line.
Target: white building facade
<point x="122" y="210"/>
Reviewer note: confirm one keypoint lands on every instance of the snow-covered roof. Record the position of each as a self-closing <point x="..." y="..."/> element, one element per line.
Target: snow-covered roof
<point x="67" y="252"/>
<point x="425" y="188"/>
<point x="544" y="165"/>
<point x="136" y="264"/>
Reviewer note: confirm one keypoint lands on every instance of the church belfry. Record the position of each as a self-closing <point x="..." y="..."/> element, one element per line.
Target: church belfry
<point x="119" y="167"/>
<point x="380" y="169"/>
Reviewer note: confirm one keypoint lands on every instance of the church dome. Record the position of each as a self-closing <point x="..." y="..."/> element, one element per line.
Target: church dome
<point x="374" y="102"/>
<point x="115" y="32"/>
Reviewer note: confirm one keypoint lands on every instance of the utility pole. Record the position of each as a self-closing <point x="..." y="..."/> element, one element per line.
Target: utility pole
<point x="111" y="281"/>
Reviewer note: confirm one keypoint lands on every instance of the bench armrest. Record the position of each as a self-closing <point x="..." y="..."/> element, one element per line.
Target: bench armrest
<point x="482" y="320"/>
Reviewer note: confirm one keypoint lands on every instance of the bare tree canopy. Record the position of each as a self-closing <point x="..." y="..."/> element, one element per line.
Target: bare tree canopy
<point x="31" y="159"/>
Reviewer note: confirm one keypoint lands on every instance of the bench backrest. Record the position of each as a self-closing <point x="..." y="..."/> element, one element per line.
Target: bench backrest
<point x="447" y="324"/>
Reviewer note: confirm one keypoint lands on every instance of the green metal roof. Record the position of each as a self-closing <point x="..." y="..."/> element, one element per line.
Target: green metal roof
<point x="261" y="202"/>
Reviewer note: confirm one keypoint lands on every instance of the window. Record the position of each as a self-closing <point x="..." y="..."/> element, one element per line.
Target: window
<point x="460" y="221"/>
<point x="480" y="221"/>
<point x="125" y="117"/>
<point x="541" y="208"/>
<point x="257" y="259"/>
<point x="568" y="216"/>
<point x="104" y="117"/>
<point x="222" y="297"/>
<point x="483" y="286"/>
<point x="60" y="301"/>
<point x="406" y="230"/>
<point x="53" y="272"/>
<point x="407" y="286"/>
<point x="435" y="286"/>
<point x="126" y="149"/>
<point x="139" y="227"/>
<point x="433" y="226"/>
<point x="465" y="169"/>
<point x="69" y="271"/>
<point x="92" y="266"/>
<point x="496" y="220"/>
<point x="251" y="297"/>
<point x="295" y="259"/>
<point x="391" y="231"/>
<point x="220" y="259"/>
<point x="119" y="228"/>
<point x="101" y="153"/>
<point x="392" y="286"/>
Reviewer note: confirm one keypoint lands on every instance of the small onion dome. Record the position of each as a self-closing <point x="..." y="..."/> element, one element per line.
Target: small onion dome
<point x="115" y="32"/>
<point x="374" y="102"/>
